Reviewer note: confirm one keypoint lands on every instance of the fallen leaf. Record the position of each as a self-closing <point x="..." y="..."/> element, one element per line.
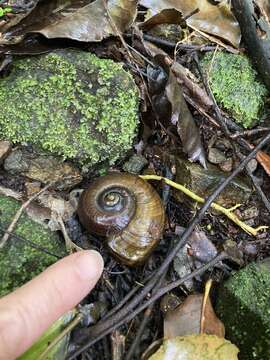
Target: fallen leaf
<point x="170" y="106"/>
<point x="91" y="22"/>
<point x="264" y="160"/>
<point x="196" y="347"/>
<point x="166" y="16"/>
<point x="216" y="20"/>
<point x="264" y="6"/>
<point x="75" y="20"/>
<point x="186" y="319"/>
<point x="186" y="126"/>
<point x="16" y="18"/>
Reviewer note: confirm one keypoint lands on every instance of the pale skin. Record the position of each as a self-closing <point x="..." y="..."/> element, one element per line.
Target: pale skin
<point x="27" y="312"/>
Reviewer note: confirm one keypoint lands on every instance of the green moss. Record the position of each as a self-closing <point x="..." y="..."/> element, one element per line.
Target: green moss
<point x="234" y="84"/>
<point x="244" y="307"/>
<point x="20" y="262"/>
<point x="72" y="104"/>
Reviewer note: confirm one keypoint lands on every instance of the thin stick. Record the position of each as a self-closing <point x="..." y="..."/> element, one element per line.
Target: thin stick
<point x="160" y="292"/>
<point x="119" y="317"/>
<point x="71" y="247"/>
<point x="228" y="212"/>
<point x="30" y="243"/>
<point x="19" y="213"/>
<point x="146" y="318"/>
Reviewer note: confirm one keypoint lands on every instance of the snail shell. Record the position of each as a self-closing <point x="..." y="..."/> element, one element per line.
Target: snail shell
<point x="127" y="211"/>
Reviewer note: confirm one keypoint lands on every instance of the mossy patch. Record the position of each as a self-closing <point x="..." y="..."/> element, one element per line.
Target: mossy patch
<point x="244" y="307"/>
<point x="70" y="103"/>
<point x="19" y="261"/>
<point x="235" y="86"/>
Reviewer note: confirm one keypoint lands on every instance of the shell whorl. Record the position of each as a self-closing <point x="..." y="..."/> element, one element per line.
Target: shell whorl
<point x="128" y="211"/>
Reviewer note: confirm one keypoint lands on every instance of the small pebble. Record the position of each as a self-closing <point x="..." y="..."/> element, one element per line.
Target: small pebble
<point x="135" y="164"/>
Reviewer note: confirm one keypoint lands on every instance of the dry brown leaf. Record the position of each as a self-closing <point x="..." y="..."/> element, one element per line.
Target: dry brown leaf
<point x="216" y="20"/>
<point x="264" y="6"/>
<point x="91" y="22"/>
<point x="186" y="126"/>
<point x="264" y="160"/>
<point x="75" y="20"/>
<point x="186" y="319"/>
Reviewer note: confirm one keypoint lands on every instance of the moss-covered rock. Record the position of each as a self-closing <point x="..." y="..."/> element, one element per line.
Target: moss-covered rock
<point x="244" y="307"/>
<point x="70" y="103"/>
<point x="19" y="261"/>
<point x="234" y="84"/>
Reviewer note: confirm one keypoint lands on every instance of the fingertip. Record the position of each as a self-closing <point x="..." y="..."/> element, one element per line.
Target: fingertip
<point x="89" y="265"/>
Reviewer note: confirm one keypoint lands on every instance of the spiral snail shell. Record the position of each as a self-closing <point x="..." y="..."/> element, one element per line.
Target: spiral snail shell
<point x="127" y="211"/>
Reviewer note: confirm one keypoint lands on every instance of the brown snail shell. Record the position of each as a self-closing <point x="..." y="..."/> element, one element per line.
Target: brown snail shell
<point x="127" y="211"/>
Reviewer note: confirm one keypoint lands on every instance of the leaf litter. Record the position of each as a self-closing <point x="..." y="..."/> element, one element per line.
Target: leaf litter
<point x="176" y="96"/>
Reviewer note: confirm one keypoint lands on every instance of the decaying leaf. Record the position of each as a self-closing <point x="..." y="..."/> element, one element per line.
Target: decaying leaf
<point x="264" y="160"/>
<point x="91" y="22"/>
<point x="186" y="319"/>
<point x="216" y="20"/>
<point x="171" y="108"/>
<point x="186" y="126"/>
<point x="25" y="10"/>
<point x="76" y="20"/>
<point x="196" y="347"/>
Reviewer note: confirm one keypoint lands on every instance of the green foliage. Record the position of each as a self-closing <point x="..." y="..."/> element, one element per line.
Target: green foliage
<point x="244" y="307"/>
<point x="59" y="351"/>
<point x="234" y="84"/>
<point x="72" y="104"/>
<point x="20" y="262"/>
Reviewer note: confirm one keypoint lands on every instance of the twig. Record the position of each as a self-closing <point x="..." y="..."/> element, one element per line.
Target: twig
<point x="171" y="44"/>
<point x="205" y="80"/>
<point x="19" y="213"/>
<point x="257" y="186"/>
<point x="115" y="28"/>
<point x="161" y="292"/>
<point x="248" y="133"/>
<point x="146" y="318"/>
<point x="71" y="247"/>
<point x="215" y="40"/>
<point x="104" y="328"/>
<point x="30" y="243"/>
<point x="228" y="212"/>
<point x="118" y="345"/>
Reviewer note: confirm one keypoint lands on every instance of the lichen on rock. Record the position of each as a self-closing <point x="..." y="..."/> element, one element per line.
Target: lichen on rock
<point x="19" y="260"/>
<point x="244" y="307"/>
<point x="236" y="87"/>
<point x="70" y="103"/>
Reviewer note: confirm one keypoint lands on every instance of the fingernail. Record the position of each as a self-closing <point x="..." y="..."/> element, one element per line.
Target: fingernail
<point x="89" y="264"/>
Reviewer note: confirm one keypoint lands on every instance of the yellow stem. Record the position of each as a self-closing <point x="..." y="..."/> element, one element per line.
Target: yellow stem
<point x="228" y="212"/>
